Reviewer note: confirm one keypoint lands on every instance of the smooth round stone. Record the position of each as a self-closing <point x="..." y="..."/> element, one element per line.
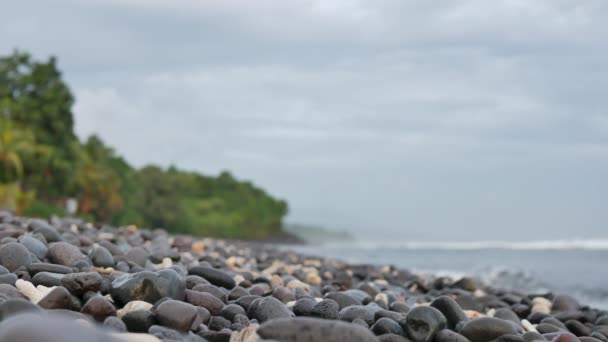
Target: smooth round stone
<point x="423" y="322"/>
<point x="578" y="328"/>
<point x="38" y="267"/>
<point x="451" y="310"/>
<point x="37" y="247"/>
<point x="546" y="328"/>
<point x="446" y="335"/>
<point x="47" y="279"/>
<point x="237" y="292"/>
<point x="79" y="283"/>
<point x="343" y="299"/>
<point x="193" y="280"/>
<point x="230" y="311"/>
<point x="8" y="279"/>
<point x="353" y="312"/>
<point x="138" y="321"/>
<point x="555" y="322"/>
<point x="246" y="301"/>
<point x="177" y="315"/>
<point x="304" y="306"/>
<point x="214" y="276"/>
<point x="14" y="255"/>
<point x="212" y="289"/>
<point x="218" y="323"/>
<point x="487" y="328"/>
<point x="564" y="303"/>
<point x="115" y="324"/>
<point x="58" y="298"/>
<point x="12" y="307"/>
<point x="395" y="316"/>
<point x="99" y="308"/>
<point x="101" y="257"/>
<point x="507" y="315"/>
<point x="386" y="326"/>
<point x="205" y="300"/>
<point x="49" y="328"/>
<point x="359" y="295"/>
<point x="466" y="284"/>
<point x="267" y="308"/>
<point x="43" y="228"/>
<point x="326" y="309"/>
<point x="392" y="338"/>
<point x="303" y="329"/>
<point x="138" y="256"/>
<point x="400" y="307"/>
<point x="65" y="254"/>
<point x="148" y="286"/>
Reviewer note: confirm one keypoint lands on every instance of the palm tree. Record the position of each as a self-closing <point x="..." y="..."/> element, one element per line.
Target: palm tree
<point x="14" y="144"/>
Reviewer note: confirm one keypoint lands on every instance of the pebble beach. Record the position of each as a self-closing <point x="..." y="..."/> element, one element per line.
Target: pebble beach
<point x="68" y="280"/>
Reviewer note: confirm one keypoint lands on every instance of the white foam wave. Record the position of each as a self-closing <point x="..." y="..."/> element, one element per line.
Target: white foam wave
<point x="575" y="244"/>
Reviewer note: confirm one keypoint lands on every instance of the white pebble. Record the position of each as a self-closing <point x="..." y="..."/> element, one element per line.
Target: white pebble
<point x="133" y="306"/>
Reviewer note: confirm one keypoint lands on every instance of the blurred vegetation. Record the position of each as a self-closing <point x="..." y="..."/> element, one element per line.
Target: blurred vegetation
<point x="43" y="163"/>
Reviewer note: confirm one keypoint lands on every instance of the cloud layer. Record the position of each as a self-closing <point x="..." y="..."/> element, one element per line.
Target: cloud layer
<point x="422" y="119"/>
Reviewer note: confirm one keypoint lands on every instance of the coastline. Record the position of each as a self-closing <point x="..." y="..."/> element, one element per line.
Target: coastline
<point x="132" y="284"/>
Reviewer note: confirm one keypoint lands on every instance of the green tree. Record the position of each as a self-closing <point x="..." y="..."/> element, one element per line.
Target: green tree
<point x="33" y="95"/>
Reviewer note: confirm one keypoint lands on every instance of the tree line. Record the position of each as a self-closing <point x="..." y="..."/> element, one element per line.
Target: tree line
<point x="43" y="163"/>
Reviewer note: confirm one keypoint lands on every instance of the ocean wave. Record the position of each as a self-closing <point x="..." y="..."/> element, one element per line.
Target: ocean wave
<point x="575" y="244"/>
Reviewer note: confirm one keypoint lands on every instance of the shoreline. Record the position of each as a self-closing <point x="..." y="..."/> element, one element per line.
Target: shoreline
<point x="131" y="284"/>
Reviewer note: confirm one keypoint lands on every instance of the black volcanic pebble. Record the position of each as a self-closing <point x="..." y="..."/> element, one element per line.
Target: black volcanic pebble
<point x="486" y="329"/>
<point x="327" y="309"/>
<point x="101" y="257"/>
<point x="386" y="326"/>
<point x="423" y="322"/>
<point x="267" y="308"/>
<point x="14" y="255"/>
<point x="578" y="328"/>
<point x="313" y="329"/>
<point x="139" y="321"/>
<point x="79" y="283"/>
<point x="214" y="276"/>
<point x="304" y="306"/>
<point x="451" y="310"/>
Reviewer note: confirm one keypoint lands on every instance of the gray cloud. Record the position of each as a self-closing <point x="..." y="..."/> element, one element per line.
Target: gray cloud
<point x="468" y="119"/>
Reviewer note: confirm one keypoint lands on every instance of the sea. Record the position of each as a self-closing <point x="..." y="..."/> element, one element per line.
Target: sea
<point x="575" y="267"/>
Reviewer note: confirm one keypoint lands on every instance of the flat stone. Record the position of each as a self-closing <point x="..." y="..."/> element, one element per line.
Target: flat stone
<point x="304" y="329"/>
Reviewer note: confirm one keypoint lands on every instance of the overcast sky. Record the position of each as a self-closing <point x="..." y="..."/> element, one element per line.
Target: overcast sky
<point x="418" y="119"/>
